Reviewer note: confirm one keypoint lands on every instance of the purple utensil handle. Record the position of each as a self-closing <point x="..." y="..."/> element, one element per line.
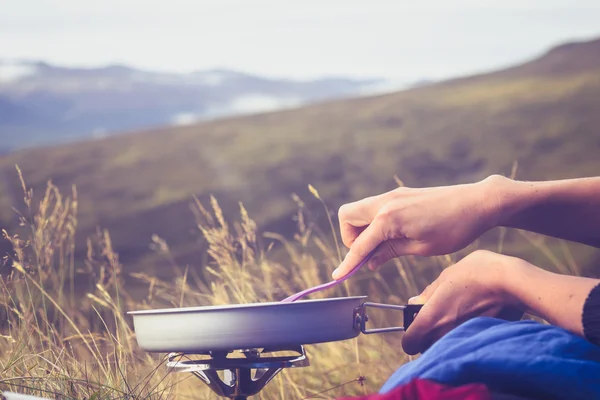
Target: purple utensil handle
<point x="328" y="285"/>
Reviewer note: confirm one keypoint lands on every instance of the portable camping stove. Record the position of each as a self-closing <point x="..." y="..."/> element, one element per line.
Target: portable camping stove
<point x="238" y="378"/>
<point x="199" y="339"/>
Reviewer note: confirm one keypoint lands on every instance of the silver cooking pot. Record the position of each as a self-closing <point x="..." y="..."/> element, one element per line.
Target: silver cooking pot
<point x="258" y="325"/>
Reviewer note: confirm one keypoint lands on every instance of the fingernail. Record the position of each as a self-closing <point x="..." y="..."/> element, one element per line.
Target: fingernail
<point x="413" y="300"/>
<point x="335" y="273"/>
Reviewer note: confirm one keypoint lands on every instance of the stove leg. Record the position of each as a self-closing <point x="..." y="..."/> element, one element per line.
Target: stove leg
<point x="237" y="384"/>
<point x="212" y="379"/>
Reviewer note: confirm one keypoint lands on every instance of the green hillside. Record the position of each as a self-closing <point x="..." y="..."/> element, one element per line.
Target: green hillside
<point x="545" y="114"/>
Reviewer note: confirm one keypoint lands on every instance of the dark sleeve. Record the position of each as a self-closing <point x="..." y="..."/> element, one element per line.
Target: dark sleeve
<point x="591" y="316"/>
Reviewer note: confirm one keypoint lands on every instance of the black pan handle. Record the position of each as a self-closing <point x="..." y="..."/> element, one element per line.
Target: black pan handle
<point x="408" y="310"/>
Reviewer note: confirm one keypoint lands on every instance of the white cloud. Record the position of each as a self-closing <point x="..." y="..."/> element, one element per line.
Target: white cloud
<point x="99" y="133"/>
<point x="386" y="86"/>
<point x="244" y="104"/>
<point x="401" y="39"/>
<point x="213" y="78"/>
<point x="185" y="118"/>
<point x="11" y="72"/>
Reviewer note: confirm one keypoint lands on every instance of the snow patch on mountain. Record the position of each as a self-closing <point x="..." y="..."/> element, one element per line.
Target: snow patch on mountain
<point x="254" y="103"/>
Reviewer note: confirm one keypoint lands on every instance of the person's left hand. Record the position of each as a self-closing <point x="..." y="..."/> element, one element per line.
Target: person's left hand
<point x="478" y="285"/>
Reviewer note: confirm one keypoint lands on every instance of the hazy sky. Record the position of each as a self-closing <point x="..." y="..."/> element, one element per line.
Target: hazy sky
<point x="402" y="39"/>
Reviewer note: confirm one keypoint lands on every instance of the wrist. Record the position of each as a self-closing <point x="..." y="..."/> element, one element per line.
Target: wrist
<point x="498" y="195"/>
<point x="511" y="280"/>
<point x="520" y="284"/>
<point x="507" y="200"/>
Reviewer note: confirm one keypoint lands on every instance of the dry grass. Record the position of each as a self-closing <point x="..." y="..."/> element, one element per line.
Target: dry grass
<point x="59" y="343"/>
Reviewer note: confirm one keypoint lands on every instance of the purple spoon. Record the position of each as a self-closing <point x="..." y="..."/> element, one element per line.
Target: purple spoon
<point x="328" y="285"/>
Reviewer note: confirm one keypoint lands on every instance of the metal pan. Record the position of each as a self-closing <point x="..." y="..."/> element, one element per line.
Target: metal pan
<point x="258" y="325"/>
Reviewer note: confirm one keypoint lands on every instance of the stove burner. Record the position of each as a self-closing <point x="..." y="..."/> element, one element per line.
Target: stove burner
<point x="239" y="380"/>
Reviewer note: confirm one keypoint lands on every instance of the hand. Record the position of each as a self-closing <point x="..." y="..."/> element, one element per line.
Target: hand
<point x="430" y="221"/>
<point x="478" y="285"/>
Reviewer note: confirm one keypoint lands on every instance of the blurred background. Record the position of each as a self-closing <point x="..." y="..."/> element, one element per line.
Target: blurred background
<point x="144" y="104"/>
<point x="183" y="153"/>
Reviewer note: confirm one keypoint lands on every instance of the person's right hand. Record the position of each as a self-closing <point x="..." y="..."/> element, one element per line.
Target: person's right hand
<point x="407" y="221"/>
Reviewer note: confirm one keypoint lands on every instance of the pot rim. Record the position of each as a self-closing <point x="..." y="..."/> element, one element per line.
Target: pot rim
<point x="240" y="306"/>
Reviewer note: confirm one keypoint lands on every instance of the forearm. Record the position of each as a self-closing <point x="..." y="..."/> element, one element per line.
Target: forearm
<point x="566" y="209"/>
<point x="559" y="299"/>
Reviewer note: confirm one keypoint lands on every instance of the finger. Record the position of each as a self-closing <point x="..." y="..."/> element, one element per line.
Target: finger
<point x="368" y="240"/>
<point x="426" y="293"/>
<point x="430" y="289"/>
<point x="350" y="233"/>
<point x="354" y="217"/>
<point x="417" y="336"/>
<point x="425" y="328"/>
<point x="417" y="300"/>
<point x="390" y="249"/>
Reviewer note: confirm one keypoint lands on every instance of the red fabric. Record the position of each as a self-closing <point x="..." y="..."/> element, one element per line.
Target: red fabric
<point x="418" y="389"/>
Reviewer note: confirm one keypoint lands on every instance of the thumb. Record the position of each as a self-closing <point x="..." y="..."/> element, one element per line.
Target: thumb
<point x="420" y="299"/>
<point x="366" y="242"/>
<point x="418" y="336"/>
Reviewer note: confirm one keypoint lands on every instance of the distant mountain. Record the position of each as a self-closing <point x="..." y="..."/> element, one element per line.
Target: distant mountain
<point x="46" y="104"/>
<point x="545" y="114"/>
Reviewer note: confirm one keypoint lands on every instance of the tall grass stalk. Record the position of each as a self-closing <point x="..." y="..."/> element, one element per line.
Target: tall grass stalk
<point x="81" y="345"/>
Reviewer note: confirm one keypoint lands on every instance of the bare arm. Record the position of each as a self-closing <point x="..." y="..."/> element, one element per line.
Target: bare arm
<point x="566" y="209"/>
<point x="557" y="298"/>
